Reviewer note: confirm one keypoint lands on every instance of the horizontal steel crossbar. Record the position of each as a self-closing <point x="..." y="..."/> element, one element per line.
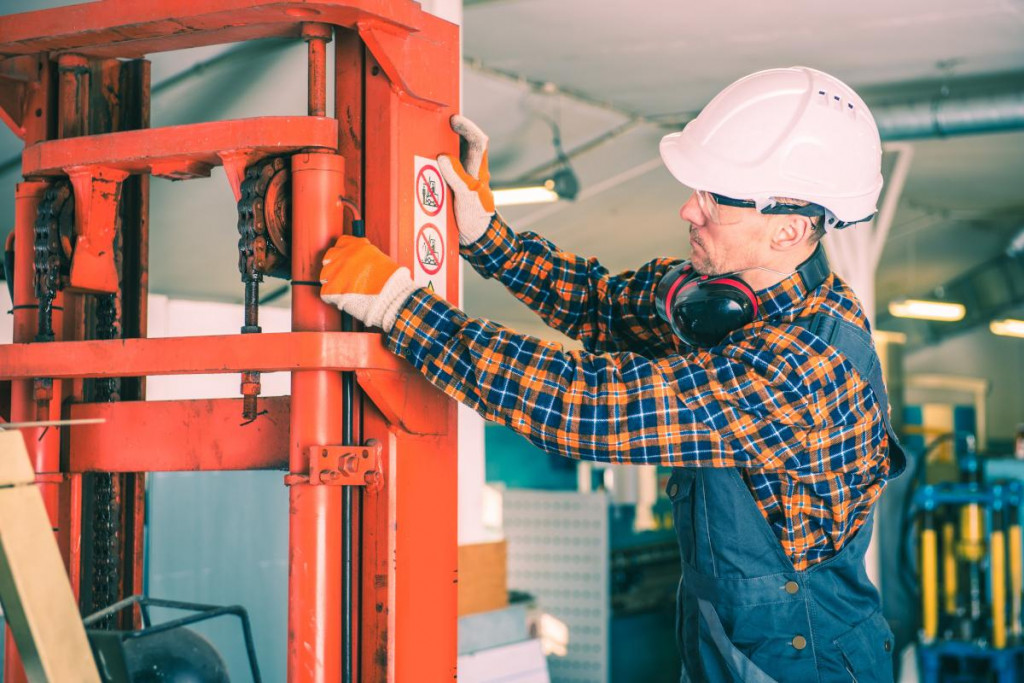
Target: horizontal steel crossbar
<point x="180" y="151"/>
<point x="268" y="352"/>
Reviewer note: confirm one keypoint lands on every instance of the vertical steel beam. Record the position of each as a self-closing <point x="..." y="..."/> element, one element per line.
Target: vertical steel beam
<point x="314" y="569"/>
<point x="413" y="524"/>
<point x="43" y="445"/>
<point x="369" y="608"/>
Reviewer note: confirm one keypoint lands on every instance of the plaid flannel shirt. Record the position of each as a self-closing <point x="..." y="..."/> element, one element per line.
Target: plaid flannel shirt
<point x="771" y="399"/>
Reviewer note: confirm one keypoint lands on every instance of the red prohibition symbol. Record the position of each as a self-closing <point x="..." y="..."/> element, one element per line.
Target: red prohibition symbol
<point x="430" y="190"/>
<point x="430" y="249"/>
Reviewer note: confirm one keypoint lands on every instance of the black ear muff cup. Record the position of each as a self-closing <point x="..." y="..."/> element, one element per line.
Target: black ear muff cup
<point x="706" y="309"/>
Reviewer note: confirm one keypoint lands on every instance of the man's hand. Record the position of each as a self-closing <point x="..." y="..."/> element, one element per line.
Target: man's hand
<point x="470" y="181"/>
<point x="362" y="281"/>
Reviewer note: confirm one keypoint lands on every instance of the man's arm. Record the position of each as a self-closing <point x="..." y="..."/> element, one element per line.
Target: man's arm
<point x="697" y="410"/>
<point x="576" y="296"/>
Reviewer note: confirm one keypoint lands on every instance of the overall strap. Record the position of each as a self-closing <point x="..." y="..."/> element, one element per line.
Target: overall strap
<point x="854" y="343"/>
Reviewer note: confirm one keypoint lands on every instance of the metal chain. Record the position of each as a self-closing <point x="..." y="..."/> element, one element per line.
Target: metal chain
<point x="49" y="256"/>
<point x="106" y="541"/>
<point x="106" y="537"/>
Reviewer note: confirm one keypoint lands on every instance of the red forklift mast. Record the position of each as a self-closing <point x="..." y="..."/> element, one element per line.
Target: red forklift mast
<point x="368" y="446"/>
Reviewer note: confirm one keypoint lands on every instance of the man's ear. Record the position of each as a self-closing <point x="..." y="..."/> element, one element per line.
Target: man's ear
<point x="790" y="230"/>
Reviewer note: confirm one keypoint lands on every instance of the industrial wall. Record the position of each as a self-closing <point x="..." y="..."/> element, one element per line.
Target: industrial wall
<point x="983" y="355"/>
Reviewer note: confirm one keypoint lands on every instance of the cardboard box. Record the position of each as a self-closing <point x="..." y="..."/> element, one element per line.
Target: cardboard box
<point x="483" y="577"/>
<point x="519" y="662"/>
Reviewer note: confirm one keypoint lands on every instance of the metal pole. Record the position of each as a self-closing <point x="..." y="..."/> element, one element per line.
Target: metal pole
<point x="23" y="406"/>
<point x="314" y="575"/>
<point x="317" y="36"/>
<point x="347" y="498"/>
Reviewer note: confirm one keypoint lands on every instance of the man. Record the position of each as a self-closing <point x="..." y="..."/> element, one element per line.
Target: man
<point x="748" y="369"/>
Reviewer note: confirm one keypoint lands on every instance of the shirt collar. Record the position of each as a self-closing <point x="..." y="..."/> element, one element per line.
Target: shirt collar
<point x="781" y="297"/>
<point x="784" y="295"/>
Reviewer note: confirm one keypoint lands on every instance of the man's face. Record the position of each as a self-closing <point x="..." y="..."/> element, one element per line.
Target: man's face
<point x="724" y="239"/>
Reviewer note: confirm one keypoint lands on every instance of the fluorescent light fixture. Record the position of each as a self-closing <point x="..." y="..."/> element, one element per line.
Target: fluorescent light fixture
<point x="533" y="194"/>
<point x="562" y="184"/>
<point x="1007" y="327"/>
<point x="927" y="310"/>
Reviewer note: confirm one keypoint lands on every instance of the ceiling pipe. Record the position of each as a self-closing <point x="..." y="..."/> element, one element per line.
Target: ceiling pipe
<point x="947" y="116"/>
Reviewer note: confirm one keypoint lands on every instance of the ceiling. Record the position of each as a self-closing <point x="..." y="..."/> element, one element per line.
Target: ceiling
<point x="614" y="80"/>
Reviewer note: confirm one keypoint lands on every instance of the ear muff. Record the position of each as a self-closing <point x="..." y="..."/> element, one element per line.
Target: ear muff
<point x="703" y="309"/>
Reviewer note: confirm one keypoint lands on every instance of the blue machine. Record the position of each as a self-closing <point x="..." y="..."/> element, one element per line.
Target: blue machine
<point x="968" y="574"/>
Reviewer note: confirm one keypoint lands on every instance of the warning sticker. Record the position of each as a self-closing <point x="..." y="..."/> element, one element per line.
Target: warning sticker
<point x="430" y="227"/>
<point x="430" y="190"/>
<point x="430" y="249"/>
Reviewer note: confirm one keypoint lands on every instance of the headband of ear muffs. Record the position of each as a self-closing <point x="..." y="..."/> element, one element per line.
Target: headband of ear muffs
<point x="703" y="309"/>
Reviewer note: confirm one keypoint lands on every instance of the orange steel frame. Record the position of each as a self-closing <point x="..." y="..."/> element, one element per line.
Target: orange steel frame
<point x="396" y="84"/>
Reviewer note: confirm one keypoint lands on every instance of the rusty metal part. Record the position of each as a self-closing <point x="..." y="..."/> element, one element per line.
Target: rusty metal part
<point x="264" y="220"/>
<point x="277" y="215"/>
<point x="263" y="229"/>
<point x="345" y="465"/>
<point x="54" y="235"/>
<point x="108" y="326"/>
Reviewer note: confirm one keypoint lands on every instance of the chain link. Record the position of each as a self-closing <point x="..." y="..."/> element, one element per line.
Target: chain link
<point x="51" y="262"/>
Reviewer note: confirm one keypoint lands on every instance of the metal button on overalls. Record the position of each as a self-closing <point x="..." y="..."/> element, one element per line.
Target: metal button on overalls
<point x="799" y="642"/>
<point x="792" y="587"/>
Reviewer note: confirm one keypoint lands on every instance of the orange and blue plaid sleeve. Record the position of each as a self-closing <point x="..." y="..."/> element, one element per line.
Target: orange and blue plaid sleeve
<point x="694" y="409"/>
<point x="775" y="402"/>
<point x="576" y="296"/>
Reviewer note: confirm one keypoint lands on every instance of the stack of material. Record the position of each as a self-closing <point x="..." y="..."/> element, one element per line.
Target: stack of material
<point x="494" y="637"/>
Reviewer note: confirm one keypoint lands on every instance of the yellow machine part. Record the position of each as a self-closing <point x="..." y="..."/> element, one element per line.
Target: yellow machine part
<point x="930" y="583"/>
<point x="949" y="577"/>
<point x="998" y="589"/>
<point x="1016" y="580"/>
<point x="972" y="533"/>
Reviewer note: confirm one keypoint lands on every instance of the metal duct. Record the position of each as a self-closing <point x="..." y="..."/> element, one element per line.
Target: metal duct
<point x="988" y="291"/>
<point x="944" y="116"/>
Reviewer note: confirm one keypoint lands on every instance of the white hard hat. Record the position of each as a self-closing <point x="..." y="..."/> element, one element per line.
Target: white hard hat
<point x="796" y="133"/>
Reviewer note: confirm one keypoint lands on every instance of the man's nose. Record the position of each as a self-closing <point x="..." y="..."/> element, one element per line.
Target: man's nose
<point x="690" y="211"/>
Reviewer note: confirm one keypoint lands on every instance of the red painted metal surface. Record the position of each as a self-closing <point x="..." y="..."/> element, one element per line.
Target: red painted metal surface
<point x="419" y="509"/>
<point x="97" y="193"/>
<point x="314" y="567"/>
<point x="27" y="197"/>
<point x="127" y="28"/>
<point x="179" y="436"/>
<point x="180" y="152"/>
<point x="24" y="90"/>
<point x="282" y="351"/>
<point x="419" y="47"/>
<point x="346" y="465"/>
<point x="396" y="84"/>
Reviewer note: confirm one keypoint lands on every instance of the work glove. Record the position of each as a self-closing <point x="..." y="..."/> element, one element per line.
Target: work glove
<point x="469" y="179"/>
<point x="362" y="281"/>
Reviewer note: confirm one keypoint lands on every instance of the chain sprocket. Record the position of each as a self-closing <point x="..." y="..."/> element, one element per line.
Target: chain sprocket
<point x="264" y="220"/>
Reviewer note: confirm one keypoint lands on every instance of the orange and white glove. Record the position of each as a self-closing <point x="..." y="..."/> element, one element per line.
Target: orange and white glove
<point x="470" y="180"/>
<point x="364" y="282"/>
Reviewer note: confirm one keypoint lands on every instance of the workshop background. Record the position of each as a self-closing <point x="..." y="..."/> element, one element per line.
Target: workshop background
<point x="574" y="567"/>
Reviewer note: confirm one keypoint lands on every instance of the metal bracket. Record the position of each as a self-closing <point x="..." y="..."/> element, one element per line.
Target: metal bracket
<point x="346" y="465"/>
<point x="97" y="192"/>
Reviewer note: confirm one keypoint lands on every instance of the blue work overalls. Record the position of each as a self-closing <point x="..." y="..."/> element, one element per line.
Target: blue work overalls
<point x="744" y="613"/>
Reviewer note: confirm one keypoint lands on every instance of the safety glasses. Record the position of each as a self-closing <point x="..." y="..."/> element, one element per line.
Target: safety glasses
<point x="709" y="203"/>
